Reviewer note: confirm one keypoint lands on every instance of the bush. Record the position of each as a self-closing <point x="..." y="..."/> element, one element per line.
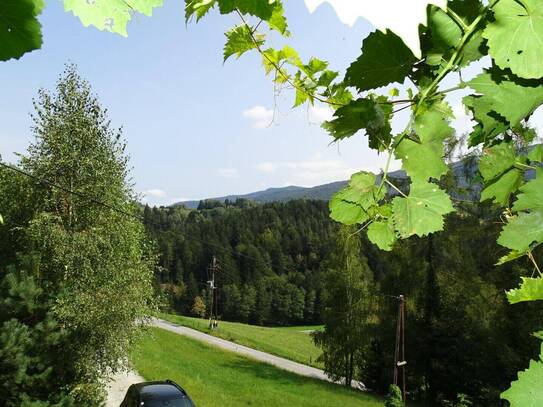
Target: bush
<point x="394" y="397"/>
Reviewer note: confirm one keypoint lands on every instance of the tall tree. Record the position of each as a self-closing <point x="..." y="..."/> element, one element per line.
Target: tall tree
<point x="349" y="309"/>
<point x="94" y="264"/>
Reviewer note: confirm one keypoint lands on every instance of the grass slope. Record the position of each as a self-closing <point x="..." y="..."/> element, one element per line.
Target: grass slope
<point x="214" y="377"/>
<point x="290" y="342"/>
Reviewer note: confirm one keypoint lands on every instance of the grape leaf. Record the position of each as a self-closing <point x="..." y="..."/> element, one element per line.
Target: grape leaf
<point x="382" y="234"/>
<point x="531" y="289"/>
<point x="425" y="159"/>
<point x="527" y="391"/>
<point x="515" y="37"/>
<point x="20" y="30"/>
<point x="385" y="59"/>
<point x="350" y="205"/>
<point x="421" y="213"/>
<point x="536" y="154"/>
<point x="362" y="114"/>
<point x="502" y="187"/>
<point x="239" y="40"/>
<point x="346" y="212"/>
<point x="490" y="124"/>
<point x="263" y="9"/>
<point x="513" y="99"/>
<point x="522" y="230"/>
<point x="197" y="7"/>
<point x="278" y="22"/>
<point x="496" y="160"/>
<point x="512" y="255"/>
<point x="531" y="196"/>
<point x="110" y="15"/>
<point x="444" y="34"/>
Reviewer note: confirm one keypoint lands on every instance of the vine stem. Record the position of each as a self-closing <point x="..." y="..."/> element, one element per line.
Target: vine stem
<point x="457" y="19"/>
<point x="386" y="169"/>
<point x="395" y="188"/>
<point x="532" y="259"/>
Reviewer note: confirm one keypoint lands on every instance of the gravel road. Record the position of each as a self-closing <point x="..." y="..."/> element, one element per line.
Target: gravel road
<point x="119" y="385"/>
<point x="276" y="361"/>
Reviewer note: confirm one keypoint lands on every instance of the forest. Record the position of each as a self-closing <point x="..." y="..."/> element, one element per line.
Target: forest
<point x="83" y="262"/>
<point x="462" y="337"/>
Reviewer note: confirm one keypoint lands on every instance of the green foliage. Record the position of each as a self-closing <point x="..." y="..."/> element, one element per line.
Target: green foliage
<point x="351" y="204"/>
<point x="269" y="257"/>
<point x="394" y="397"/>
<point x="370" y="114"/>
<point x="20" y="30"/>
<point x="423" y="158"/>
<point x="421" y="213"/>
<point x="531" y="289"/>
<point x="522" y="230"/>
<point x="385" y="59"/>
<point x="110" y="15"/>
<point x="239" y="41"/>
<point x="94" y="267"/>
<point x="515" y="36"/>
<point x="527" y="390"/>
<point x="349" y="309"/>
<point x="199" y="307"/>
<point x="503" y="98"/>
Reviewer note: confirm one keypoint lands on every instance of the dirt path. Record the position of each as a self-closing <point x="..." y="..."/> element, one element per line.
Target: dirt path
<point x="277" y="361"/>
<point x="118" y="386"/>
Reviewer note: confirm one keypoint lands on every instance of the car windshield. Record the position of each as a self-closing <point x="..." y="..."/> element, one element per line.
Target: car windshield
<point x="168" y="402"/>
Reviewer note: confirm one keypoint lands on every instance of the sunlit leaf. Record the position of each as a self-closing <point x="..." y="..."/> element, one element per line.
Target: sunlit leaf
<point x="522" y="230"/>
<point x="421" y="213"/>
<point x="531" y="289"/>
<point x="515" y="36"/>
<point x="110" y="15"/>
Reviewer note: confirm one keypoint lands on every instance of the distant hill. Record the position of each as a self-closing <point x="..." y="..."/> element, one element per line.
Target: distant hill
<point x="320" y="192"/>
<point x="465" y="173"/>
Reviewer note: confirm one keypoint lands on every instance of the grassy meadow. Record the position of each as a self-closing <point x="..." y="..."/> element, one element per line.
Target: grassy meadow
<point x="214" y="377"/>
<point x="292" y="343"/>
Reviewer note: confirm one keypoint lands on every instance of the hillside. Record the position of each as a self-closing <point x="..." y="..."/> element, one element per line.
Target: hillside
<point x="464" y="173"/>
<point x="320" y="192"/>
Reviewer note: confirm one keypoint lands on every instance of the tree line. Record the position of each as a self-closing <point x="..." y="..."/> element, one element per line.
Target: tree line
<point x="289" y="263"/>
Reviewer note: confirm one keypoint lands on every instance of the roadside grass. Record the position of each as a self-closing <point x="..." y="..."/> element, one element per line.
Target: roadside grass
<point x="214" y="377"/>
<point x="292" y="343"/>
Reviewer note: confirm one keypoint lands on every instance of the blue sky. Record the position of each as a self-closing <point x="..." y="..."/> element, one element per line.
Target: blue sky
<point x="195" y="127"/>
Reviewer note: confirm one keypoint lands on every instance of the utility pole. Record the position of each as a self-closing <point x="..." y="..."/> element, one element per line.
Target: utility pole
<point x="399" y="354"/>
<point x="214" y="267"/>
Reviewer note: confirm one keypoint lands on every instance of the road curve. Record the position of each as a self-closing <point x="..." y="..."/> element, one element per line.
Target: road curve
<point x="276" y="361"/>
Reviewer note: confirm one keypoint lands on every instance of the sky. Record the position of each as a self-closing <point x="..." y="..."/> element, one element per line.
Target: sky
<point x="197" y="128"/>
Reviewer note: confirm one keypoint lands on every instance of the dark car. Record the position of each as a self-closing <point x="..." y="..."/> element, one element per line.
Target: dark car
<point x="156" y="394"/>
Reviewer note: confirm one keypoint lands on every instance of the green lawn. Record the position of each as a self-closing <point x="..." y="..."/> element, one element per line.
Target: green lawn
<point x="290" y="342"/>
<point x="214" y="377"/>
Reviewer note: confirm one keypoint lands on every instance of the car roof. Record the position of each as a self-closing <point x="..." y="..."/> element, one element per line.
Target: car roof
<point x="159" y="389"/>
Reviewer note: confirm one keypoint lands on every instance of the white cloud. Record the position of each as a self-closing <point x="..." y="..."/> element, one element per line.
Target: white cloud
<point x="156" y="193"/>
<point x="463" y="122"/>
<point x="401" y="16"/>
<point x="267" y="167"/>
<point x="227" y="172"/>
<point x="319" y="114"/>
<point x="261" y="116"/>
<point x="310" y="172"/>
